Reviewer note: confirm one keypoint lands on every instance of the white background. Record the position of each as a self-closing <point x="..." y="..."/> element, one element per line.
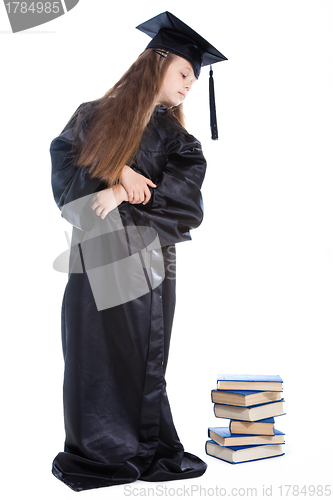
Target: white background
<point x="254" y="287"/>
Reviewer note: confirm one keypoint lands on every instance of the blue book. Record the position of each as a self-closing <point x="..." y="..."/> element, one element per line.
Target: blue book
<point x="250" y="413"/>
<point x="240" y="454"/>
<point x="260" y="427"/>
<point x="244" y="398"/>
<point x="249" y="382"/>
<point x="223" y="437"/>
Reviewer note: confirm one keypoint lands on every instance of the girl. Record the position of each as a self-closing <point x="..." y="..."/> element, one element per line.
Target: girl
<point x="127" y="175"/>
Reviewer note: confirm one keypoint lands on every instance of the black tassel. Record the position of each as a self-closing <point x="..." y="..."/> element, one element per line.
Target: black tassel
<point x="213" y="121"/>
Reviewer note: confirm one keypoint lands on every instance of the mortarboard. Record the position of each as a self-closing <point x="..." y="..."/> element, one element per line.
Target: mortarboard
<point x="170" y="33"/>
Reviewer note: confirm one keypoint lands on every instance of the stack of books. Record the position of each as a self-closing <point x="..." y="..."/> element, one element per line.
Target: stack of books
<point x="250" y="402"/>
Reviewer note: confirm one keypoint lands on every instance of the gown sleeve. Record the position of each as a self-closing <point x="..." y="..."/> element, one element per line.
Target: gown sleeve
<point x="71" y="183"/>
<point x="175" y="206"/>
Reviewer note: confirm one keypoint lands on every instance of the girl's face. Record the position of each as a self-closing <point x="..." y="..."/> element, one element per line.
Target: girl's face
<point x="177" y="82"/>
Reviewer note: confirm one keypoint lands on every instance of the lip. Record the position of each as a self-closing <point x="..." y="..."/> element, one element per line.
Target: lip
<point x="182" y="95"/>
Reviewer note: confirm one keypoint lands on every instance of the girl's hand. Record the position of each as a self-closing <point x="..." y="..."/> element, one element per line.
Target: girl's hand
<point x="108" y="199"/>
<point x="136" y="186"/>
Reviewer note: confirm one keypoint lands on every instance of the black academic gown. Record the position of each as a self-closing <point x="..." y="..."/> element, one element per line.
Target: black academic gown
<point x="118" y="422"/>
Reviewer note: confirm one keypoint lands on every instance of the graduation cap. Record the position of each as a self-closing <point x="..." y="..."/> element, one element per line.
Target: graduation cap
<point x="170" y="33"/>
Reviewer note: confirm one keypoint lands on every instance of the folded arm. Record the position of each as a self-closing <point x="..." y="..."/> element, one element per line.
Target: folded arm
<point x="136" y="186"/>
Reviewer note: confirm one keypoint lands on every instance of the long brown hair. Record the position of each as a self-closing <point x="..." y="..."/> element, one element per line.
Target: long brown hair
<point x="116" y="121"/>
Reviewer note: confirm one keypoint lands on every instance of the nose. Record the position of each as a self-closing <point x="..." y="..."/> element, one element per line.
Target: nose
<point x="188" y="86"/>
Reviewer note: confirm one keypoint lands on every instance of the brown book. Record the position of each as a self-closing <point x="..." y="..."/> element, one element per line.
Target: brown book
<point x="259" y="428"/>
